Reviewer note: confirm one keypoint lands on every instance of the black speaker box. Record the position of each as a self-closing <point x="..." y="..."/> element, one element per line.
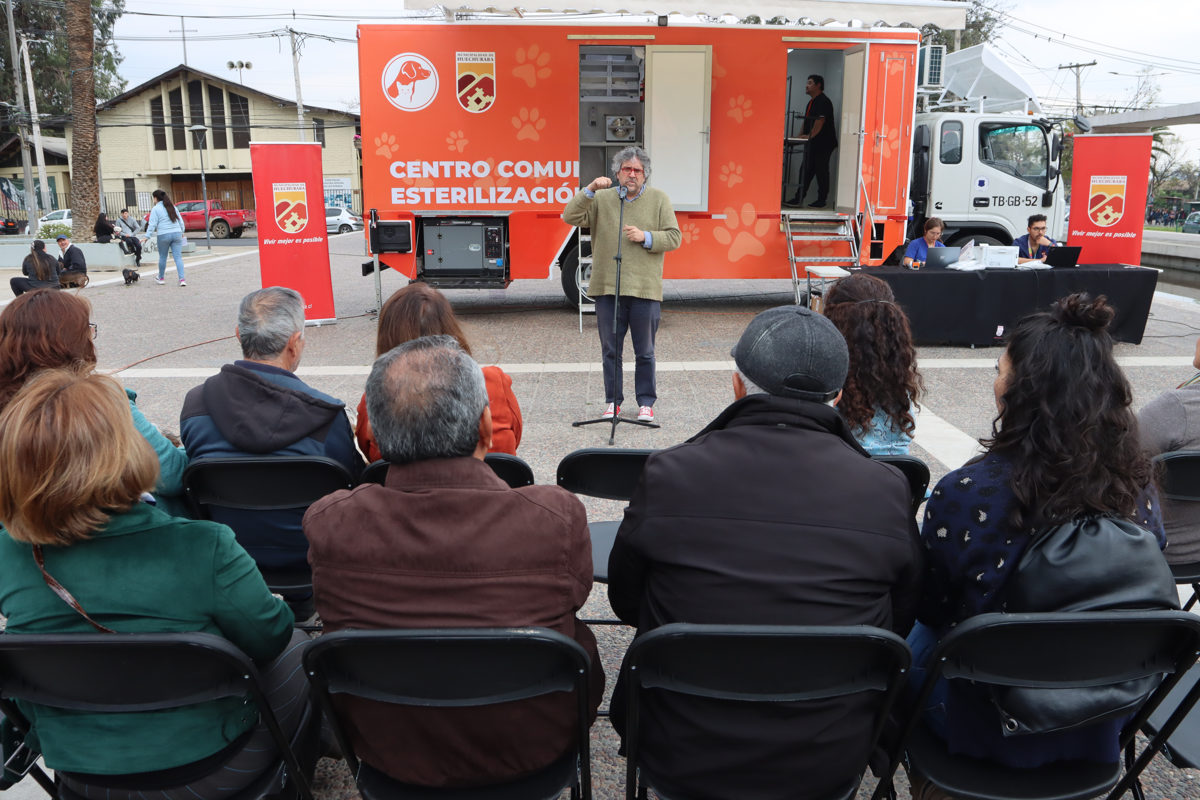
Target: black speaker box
<point x="392" y="236"/>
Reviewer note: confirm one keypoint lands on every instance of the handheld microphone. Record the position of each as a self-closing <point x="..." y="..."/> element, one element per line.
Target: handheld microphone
<point x="621" y="192"/>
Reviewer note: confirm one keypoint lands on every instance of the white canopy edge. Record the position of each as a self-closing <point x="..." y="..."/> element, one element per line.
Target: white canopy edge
<point x="945" y="14"/>
<point x="1142" y="120"/>
<point x="981" y="76"/>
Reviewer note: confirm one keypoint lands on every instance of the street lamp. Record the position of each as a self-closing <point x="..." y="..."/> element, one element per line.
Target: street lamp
<point x="201" y="145"/>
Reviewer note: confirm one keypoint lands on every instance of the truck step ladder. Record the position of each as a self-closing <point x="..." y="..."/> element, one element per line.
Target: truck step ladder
<point x="582" y="270"/>
<point x="804" y="230"/>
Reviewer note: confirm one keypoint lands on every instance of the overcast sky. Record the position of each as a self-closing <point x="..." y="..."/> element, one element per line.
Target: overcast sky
<point x="1122" y="37"/>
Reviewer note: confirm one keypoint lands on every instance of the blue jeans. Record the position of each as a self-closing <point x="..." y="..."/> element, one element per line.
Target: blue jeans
<point x="640" y="318"/>
<point x="173" y="242"/>
<point x="922" y="640"/>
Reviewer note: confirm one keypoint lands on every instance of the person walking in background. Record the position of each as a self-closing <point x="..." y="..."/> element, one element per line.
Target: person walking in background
<point x="166" y="224"/>
<point x="420" y="310"/>
<point x="128" y="229"/>
<point x="883" y="384"/>
<point x="104" y="229"/>
<point x="40" y="270"/>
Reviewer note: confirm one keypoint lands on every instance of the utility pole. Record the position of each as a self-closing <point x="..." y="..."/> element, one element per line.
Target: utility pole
<point x="37" y="127"/>
<point x="296" y="72"/>
<point x="183" y="32"/>
<point x="1078" y="84"/>
<point x="22" y="121"/>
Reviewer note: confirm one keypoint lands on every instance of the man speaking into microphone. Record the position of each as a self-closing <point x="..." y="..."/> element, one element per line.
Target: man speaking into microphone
<point x="641" y="220"/>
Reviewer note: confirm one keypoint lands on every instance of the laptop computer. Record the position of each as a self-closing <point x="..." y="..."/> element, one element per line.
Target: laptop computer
<point x="1063" y="256"/>
<point x="942" y="257"/>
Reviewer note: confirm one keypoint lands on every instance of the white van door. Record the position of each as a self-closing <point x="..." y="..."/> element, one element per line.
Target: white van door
<point x="678" y="89"/>
<point x="850" y="130"/>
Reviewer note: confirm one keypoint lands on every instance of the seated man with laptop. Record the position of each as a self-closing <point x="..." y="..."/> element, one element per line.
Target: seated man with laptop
<point x="1034" y="245"/>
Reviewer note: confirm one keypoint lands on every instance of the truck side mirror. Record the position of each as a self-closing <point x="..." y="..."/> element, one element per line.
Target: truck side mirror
<point x="1055" y="147"/>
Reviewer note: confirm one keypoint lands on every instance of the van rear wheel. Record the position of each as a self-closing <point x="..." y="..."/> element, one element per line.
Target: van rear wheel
<point x="573" y="277"/>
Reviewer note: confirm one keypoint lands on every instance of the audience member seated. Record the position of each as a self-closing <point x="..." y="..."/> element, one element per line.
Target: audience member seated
<point x="883" y="384"/>
<point x="445" y="543"/>
<point x="1171" y="422"/>
<point x="1064" y="445"/>
<point x="49" y="329"/>
<point x="72" y="266"/>
<point x="420" y="310"/>
<point x="104" y="229"/>
<point x="771" y="515"/>
<point x="39" y="268"/>
<point x="257" y="406"/>
<point x="131" y="569"/>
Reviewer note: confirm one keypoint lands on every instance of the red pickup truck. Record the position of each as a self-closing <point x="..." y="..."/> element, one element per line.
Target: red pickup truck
<point x="222" y="222"/>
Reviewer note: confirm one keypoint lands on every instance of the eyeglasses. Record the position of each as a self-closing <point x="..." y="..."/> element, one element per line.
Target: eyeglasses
<point x="632" y="171"/>
<point x="95" y="329"/>
<point x="1038" y="229"/>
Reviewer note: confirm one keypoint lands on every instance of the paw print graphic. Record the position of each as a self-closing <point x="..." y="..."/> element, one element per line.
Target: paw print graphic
<point x="490" y="179"/>
<point x="888" y="144"/>
<point x="690" y="231"/>
<point x="531" y="65"/>
<point x="385" y="145"/>
<point x="528" y="122"/>
<point x="743" y="233"/>
<point x="739" y="108"/>
<point x="731" y="174"/>
<point x="456" y="142"/>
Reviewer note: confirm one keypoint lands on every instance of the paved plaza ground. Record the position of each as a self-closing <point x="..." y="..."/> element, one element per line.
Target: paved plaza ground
<point x="163" y="340"/>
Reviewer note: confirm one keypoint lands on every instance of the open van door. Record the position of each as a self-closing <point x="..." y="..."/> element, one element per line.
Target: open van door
<point x="850" y="131"/>
<point x="678" y="90"/>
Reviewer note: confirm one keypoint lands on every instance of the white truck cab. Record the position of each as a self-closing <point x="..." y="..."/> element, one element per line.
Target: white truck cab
<point x="983" y="161"/>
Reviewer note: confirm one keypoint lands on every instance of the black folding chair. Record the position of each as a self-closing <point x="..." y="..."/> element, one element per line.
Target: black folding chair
<point x="917" y="473"/>
<point x="1180" y="483"/>
<point x="509" y="468"/>
<point x="455" y="668"/>
<point x="761" y="664"/>
<point x="232" y="490"/>
<point x="1050" y="651"/>
<point x="137" y="672"/>
<point x="610" y="473"/>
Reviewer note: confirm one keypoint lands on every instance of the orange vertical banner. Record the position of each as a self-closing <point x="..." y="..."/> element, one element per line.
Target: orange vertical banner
<point x="293" y="251"/>
<point x="1110" y="178"/>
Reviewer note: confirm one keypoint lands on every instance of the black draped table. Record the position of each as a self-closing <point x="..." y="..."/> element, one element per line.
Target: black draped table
<point x="945" y="306"/>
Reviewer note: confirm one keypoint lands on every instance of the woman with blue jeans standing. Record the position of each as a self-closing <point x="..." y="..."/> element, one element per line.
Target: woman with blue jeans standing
<point x="166" y="223"/>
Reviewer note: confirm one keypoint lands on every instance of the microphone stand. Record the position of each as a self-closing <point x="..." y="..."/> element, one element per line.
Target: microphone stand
<point x="617" y="419"/>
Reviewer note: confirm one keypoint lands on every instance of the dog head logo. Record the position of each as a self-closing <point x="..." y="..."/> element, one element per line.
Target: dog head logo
<point x="410" y="82"/>
<point x="1106" y="200"/>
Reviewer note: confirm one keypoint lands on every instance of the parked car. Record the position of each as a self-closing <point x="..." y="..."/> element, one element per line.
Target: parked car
<point x="340" y="220"/>
<point x="61" y="216"/>
<point x="223" y="222"/>
<point x="9" y="226"/>
<point x="1192" y="223"/>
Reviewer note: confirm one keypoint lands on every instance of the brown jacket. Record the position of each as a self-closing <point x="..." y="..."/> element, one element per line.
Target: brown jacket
<point x="446" y="543"/>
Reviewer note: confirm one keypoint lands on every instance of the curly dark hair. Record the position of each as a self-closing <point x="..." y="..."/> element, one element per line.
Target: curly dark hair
<point x="1064" y="419"/>
<point x="883" y="362"/>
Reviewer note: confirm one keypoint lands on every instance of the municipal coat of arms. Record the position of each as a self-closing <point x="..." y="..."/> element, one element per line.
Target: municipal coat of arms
<point x="291" y="206"/>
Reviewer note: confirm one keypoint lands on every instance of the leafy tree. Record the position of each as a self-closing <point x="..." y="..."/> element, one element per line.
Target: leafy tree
<point x="43" y="24"/>
<point x="984" y="24"/>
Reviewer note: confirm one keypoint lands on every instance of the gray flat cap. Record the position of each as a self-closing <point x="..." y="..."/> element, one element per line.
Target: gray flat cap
<point x="791" y="351"/>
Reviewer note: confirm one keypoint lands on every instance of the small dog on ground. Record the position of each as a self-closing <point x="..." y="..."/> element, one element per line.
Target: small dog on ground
<point x="131" y="276"/>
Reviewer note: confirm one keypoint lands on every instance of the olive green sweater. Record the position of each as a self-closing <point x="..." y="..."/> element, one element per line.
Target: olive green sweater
<point x="642" y="269"/>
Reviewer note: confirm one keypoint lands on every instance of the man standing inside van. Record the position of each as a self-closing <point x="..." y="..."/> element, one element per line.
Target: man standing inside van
<point x="647" y="228"/>
<point x="821" y="138"/>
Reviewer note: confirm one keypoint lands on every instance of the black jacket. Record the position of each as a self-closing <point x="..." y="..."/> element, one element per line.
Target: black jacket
<point x="771" y="515"/>
<point x="72" y="259"/>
